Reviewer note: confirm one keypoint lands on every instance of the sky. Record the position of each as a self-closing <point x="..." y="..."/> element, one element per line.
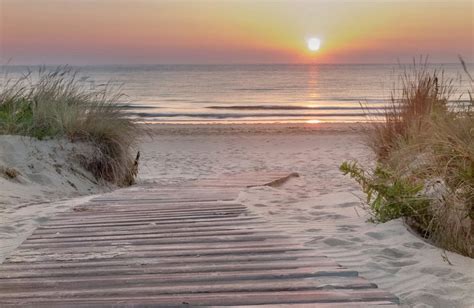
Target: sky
<point x="89" y="32"/>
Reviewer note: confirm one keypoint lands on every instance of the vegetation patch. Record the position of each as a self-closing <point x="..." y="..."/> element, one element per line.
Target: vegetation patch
<point x="9" y="173"/>
<point x="56" y="104"/>
<point x="425" y="160"/>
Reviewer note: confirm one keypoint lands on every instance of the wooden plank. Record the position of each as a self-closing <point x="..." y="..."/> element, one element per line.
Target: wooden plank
<point x="24" y="256"/>
<point x="201" y="277"/>
<point x="174" y="232"/>
<point x="166" y="259"/>
<point x="113" y="211"/>
<point x="131" y="222"/>
<point x="98" y="220"/>
<point x="218" y="239"/>
<point x="171" y="226"/>
<point x="161" y="286"/>
<point x="329" y="268"/>
<point x="223" y="299"/>
<point x="128" y="249"/>
<point x="137" y="288"/>
<point x="55" y="238"/>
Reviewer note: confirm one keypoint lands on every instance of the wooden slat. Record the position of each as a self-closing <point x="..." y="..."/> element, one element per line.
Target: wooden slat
<point x="138" y="288"/>
<point x="160" y="286"/>
<point x="301" y="255"/>
<point x="202" y="277"/>
<point x="171" y="226"/>
<point x="240" y="238"/>
<point x="328" y="268"/>
<point x="222" y="299"/>
<point x="22" y="256"/>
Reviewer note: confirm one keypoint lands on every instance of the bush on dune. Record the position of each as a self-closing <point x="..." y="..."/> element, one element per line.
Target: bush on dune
<point x="425" y="161"/>
<point x="56" y="104"/>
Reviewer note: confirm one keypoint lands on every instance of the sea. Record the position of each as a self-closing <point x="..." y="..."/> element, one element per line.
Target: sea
<point x="311" y="93"/>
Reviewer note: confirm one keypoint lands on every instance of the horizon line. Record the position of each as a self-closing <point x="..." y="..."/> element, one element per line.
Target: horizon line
<point x="225" y="64"/>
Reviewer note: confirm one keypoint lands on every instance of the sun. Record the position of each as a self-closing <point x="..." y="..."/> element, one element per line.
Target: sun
<point x="314" y="43"/>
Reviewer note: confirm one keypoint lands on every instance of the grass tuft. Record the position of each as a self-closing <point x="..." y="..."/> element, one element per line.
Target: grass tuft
<point x="425" y="160"/>
<point x="54" y="103"/>
<point x="9" y="173"/>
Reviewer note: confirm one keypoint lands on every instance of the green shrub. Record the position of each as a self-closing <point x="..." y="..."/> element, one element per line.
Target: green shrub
<point x="389" y="196"/>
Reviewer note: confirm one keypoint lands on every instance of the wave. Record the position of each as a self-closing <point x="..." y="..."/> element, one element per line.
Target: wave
<point x="245" y="115"/>
<point x="260" y="89"/>
<point x="276" y="107"/>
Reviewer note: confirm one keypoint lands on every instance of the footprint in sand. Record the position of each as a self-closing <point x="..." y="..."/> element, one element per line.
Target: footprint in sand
<point x="437" y="271"/>
<point x="348" y="204"/>
<point x="402" y="263"/>
<point x="416" y="245"/>
<point x="312" y="230"/>
<point x="345" y="228"/>
<point x="377" y="235"/>
<point x="337" y="242"/>
<point x="395" y="253"/>
<point x="302" y="218"/>
<point x="315" y="240"/>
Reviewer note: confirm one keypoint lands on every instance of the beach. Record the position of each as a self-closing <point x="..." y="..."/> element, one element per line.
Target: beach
<point x="228" y="153"/>
<point x="321" y="207"/>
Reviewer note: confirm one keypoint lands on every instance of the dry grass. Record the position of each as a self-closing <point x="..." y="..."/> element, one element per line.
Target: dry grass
<point x="55" y="104"/>
<point x="426" y="138"/>
<point x="421" y="92"/>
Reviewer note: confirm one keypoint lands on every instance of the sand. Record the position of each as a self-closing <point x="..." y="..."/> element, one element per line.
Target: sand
<point x="47" y="171"/>
<point x="321" y="207"/>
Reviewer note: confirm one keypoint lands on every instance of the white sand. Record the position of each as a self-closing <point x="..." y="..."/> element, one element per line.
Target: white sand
<point x="320" y="207"/>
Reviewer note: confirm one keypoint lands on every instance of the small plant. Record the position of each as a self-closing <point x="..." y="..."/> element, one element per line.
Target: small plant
<point x="9" y="173"/>
<point x="389" y="197"/>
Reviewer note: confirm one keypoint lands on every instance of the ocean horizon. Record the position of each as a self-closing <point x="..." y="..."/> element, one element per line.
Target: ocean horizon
<point x="251" y="93"/>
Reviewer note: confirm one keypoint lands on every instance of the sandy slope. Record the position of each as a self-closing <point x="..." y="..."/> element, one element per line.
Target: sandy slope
<point x="321" y="207"/>
<point x="48" y="171"/>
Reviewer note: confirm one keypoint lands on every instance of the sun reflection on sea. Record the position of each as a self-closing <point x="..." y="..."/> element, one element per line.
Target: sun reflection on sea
<point x="313" y="82"/>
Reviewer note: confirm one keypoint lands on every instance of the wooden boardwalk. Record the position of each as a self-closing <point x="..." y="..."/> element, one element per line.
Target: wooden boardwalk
<point x="179" y="246"/>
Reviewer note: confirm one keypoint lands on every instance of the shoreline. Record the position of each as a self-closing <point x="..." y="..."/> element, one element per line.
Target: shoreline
<point x="252" y="128"/>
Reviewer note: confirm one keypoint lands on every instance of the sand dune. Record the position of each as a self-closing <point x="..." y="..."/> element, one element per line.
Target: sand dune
<point x="47" y="170"/>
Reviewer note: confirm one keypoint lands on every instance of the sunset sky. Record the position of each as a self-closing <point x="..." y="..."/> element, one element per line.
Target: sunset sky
<point x="233" y="31"/>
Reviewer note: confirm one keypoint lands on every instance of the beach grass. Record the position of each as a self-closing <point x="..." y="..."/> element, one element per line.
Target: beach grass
<point x="55" y="104"/>
<point x="425" y="160"/>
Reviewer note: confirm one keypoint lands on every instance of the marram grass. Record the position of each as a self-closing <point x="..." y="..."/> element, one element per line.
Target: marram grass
<point x="55" y="104"/>
<point x="425" y="161"/>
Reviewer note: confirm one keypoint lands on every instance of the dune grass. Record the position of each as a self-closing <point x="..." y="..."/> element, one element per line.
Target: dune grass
<point x="55" y="104"/>
<point x="425" y="160"/>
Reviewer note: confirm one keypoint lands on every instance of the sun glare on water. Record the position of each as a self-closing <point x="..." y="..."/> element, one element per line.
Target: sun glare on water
<point x="314" y="43"/>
